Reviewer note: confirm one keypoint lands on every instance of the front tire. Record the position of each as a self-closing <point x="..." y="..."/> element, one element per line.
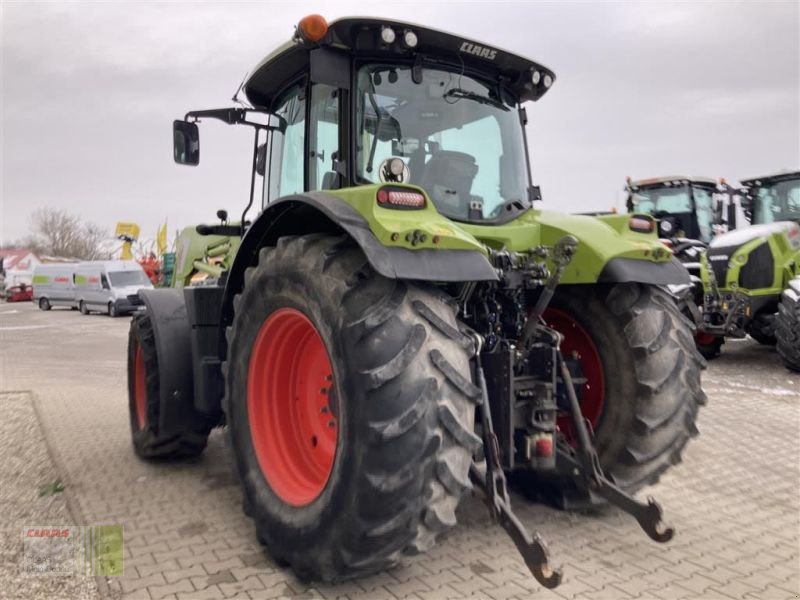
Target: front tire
<point x="649" y="374"/>
<point x="787" y="326"/>
<point x="144" y="401"/>
<point x="112" y="310"/>
<point x="709" y="346"/>
<point x="392" y="376"/>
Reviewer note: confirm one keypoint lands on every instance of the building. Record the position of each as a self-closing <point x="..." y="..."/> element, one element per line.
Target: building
<point x="18" y="264"/>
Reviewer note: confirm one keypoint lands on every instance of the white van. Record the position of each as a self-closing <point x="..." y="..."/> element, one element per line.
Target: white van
<point x="53" y="285"/>
<point x="109" y="286"/>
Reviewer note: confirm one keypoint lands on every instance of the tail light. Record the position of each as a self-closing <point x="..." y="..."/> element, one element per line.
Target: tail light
<point x="642" y="224"/>
<point x="400" y="198"/>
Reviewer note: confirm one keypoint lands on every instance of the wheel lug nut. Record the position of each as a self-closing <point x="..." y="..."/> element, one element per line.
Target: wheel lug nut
<point x="323" y="410"/>
<point x="331" y="423"/>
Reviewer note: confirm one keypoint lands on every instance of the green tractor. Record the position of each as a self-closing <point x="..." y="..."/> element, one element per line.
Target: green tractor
<point x="203" y="253"/>
<point x="687" y="208"/>
<point x="690" y="212"/>
<point x="751" y="276"/>
<point x="399" y="325"/>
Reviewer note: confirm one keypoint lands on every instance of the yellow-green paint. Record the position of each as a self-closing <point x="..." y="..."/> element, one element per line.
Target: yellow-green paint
<point x="103" y="550"/>
<point x="194" y="250"/>
<point x="786" y="266"/>
<point x="600" y="239"/>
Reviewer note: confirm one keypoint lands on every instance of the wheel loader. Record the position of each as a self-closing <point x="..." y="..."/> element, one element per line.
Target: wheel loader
<point x="398" y="324"/>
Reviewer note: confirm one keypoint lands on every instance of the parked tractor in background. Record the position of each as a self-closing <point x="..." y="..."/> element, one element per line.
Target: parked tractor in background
<point x="690" y="212"/>
<point x="751" y="276"/>
<point x="399" y="324"/>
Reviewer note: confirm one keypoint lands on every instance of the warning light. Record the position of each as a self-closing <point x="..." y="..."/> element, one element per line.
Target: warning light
<point x="312" y="28"/>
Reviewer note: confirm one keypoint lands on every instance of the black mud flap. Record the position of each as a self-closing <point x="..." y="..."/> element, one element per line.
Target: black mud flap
<point x="167" y="311"/>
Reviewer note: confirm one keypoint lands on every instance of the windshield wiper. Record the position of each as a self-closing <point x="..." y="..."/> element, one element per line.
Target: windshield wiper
<point x="459" y="93"/>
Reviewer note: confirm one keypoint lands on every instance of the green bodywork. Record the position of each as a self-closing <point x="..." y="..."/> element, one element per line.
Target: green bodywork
<point x="202" y="256"/>
<point x="601" y="238"/>
<point x="785" y="252"/>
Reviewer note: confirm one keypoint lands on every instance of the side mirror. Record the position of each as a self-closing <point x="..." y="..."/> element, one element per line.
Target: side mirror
<point x="185" y="143"/>
<point x="719" y="209"/>
<point x="746" y="202"/>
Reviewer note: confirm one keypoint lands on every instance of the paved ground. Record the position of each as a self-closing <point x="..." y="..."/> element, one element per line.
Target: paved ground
<point x="735" y="500"/>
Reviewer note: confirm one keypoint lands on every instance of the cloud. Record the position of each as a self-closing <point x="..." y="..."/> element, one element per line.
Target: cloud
<point x="90" y="89"/>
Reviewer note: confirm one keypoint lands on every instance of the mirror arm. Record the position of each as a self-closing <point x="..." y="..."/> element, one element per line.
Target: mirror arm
<point x="234" y="116"/>
<point x="231" y="116"/>
<point x="252" y="180"/>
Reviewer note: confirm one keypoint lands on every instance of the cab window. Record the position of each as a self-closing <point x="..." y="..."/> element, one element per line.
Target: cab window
<point x="323" y="138"/>
<point x="286" y="163"/>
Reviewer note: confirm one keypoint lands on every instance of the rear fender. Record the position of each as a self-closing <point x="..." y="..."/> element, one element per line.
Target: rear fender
<point x="321" y="212"/>
<point x="167" y="311"/>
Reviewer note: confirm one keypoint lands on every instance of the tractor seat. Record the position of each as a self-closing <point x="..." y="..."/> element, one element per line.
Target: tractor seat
<point x="448" y="178"/>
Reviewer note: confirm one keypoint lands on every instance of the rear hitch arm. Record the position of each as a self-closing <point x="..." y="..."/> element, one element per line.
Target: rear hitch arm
<point x="586" y="470"/>
<point x="493" y="484"/>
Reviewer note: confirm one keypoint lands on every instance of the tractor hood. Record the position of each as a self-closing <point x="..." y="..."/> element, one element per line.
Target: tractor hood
<point x="739" y="237"/>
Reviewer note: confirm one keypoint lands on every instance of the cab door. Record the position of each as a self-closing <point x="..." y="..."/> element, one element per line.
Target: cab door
<point x="304" y="152"/>
<point x="325" y="164"/>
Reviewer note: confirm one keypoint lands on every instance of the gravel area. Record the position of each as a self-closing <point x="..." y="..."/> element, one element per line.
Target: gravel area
<point x="27" y="498"/>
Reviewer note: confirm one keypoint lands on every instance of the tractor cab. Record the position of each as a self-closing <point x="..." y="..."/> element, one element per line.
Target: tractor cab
<point x="686" y="207"/>
<point x="368" y="101"/>
<point x="773" y="198"/>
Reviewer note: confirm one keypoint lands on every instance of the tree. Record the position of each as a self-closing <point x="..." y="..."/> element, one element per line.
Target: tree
<point x="59" y="233"/>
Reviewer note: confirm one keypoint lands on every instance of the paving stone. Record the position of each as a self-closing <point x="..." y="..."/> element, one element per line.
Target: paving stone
<point x="733" y="500"/>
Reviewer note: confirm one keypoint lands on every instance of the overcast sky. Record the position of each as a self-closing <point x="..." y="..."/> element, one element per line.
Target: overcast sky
<point x="89" y="91"/>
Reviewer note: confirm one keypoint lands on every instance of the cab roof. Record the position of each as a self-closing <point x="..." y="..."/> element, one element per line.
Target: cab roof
<point x="782" y="176"/>
<point x="673" y="178"/>
<point x="360" y="37"/>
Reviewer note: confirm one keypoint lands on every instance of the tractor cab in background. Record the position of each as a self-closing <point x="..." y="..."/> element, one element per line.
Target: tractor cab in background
<point x="773" y="198"/>
<point x="686" y="207"/>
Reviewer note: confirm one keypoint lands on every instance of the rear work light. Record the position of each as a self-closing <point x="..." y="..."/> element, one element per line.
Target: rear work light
<point x="642" y="224"/>
<point x="400" y="198"/>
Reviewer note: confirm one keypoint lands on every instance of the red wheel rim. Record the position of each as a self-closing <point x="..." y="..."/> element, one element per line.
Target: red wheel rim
<point x="293" y="421"/>
<point x="704" y="339"/>
<point x="139" y="387"/>
<point x="578" y="345"/>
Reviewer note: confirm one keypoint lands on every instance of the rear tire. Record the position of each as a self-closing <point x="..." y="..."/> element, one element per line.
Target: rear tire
<point x="83" y="308"/>
<point x="404" y="409"/>
<point x="650" y="375"/>
<point x="787" y="326"/>
<point x="144" y="403"/>
<point x="44" y="304"/>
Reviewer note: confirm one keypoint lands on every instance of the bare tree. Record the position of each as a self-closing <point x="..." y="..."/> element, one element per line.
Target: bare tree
<point x="59" y="233"/>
